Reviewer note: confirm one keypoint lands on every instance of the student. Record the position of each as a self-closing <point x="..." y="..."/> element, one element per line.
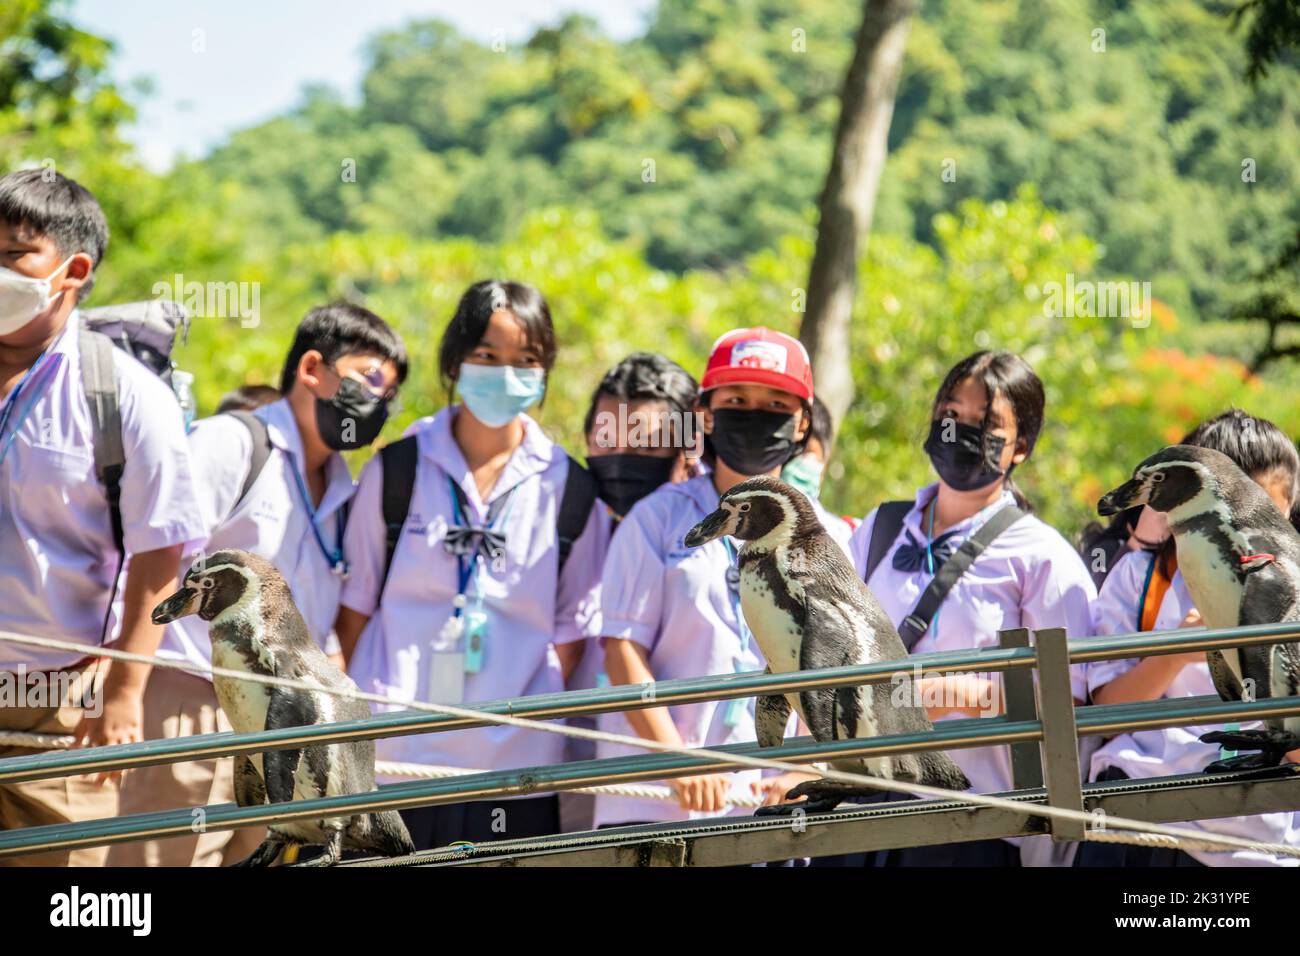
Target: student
<point x="247" y="398"/>
<point x="275" y="484"/>
<point x="640" y="429"/>
<point x="985" y="421"/>
<point x="60" y="564"/>
<point x="641" y="433"/>
<point x="670" y="611"/>
<point x="475" y="605"/>
<point x="1146" y="592"/>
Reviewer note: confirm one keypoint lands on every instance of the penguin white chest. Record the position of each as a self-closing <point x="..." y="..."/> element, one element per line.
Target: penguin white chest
<point x="778" y="633"/>
<point x="1213" y="585"/>
<point x="244" y="702"/>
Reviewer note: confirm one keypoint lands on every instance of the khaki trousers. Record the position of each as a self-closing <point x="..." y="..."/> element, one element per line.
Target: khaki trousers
<point x="177" y="704"/>
<point x="60" y="799"/>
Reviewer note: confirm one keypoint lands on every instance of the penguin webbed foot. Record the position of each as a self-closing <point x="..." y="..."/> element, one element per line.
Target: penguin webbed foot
<point x="821" y="796"/>
<point x="333" y="852"/>
<point x="264" y="855"/>
<point x="1272" y="746"/>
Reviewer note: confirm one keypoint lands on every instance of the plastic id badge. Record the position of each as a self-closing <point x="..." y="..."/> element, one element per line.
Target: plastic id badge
<point x="475" y="637"/>
<point x="447" y="677"/>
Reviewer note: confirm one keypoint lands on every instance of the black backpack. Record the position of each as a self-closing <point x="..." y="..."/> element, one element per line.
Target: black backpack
<point x="399" y="460"/>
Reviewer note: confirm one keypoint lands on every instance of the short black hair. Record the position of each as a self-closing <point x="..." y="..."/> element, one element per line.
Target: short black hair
<point x="646" y="376"/>
<point x="339" y="329"/>
<point x="58" y="208"/>
<point x="822" y="427"/>
<point x="245" y="398"/>
<point x="465" y="330"/>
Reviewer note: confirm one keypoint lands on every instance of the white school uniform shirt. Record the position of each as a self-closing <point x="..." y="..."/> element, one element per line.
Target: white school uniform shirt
<point x="1174" y="750"/>
<point x="1029" y="576"/>
<point x="57" y="558"/>
<point x="528" y="611"/>
<point x="674" y="601"/>
<point x="272" y="521"/>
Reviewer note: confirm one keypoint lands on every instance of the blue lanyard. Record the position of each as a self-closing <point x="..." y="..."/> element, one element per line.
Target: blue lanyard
<point x="465" y="563"/>
<point x="333" y="557"/>
<point x="733" y="589"/>
<point x="11" y="401"/>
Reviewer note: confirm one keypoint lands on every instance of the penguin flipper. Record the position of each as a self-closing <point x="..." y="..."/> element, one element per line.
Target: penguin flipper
<point x="286" y="708"/>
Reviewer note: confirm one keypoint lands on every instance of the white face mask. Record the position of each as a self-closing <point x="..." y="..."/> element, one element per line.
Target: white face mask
<point x="23" y="298"/>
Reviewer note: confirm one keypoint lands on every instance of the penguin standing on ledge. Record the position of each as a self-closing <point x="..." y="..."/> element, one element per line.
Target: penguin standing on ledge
<point x="808" y="609"/>
<point x="1240" y="557"/>
<point x="256" y="627"/>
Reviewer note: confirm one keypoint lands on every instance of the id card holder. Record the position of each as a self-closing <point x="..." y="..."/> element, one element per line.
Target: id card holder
<point x="474" y="639"/>
<point x="735" y="712"/>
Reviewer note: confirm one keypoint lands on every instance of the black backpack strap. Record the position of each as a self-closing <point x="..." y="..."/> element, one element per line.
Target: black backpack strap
<point x="399" y="459"/>
<point x="261" y="450"/>
<point x="918" y="622"/>
<point x="889" y="522"/>
<point x="575" y="509"/>
<point x="99" y="383"/>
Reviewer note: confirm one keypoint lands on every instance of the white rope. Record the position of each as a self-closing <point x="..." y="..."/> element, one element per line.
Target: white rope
<point x="414" y="771"/>
<point x="1112" y="823"/>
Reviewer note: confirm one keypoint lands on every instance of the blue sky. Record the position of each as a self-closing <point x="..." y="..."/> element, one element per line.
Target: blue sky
<point x="258" y="53"/>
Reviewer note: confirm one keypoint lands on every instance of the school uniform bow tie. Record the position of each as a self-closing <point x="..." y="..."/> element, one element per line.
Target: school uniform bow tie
<point x="468" y="540"/>
<point x="911" y="556"/>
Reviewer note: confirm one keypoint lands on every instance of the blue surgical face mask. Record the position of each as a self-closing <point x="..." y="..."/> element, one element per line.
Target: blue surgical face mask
<point x="805" y="473"/>
<point x="496" y="394"/>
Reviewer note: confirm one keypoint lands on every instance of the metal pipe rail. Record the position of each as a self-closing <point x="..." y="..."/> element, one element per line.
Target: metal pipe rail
<point x="738" y="841"/>
<point x="949" y="735"/>
<point x="622" y="698"/>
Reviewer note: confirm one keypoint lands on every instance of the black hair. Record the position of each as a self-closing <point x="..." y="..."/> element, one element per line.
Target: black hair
<point x="1007" y="374"/>
<point x="58" y="208"/>
<point x="1255" y="445"/>
<point x="339" y="329"/>
<point x="646" y="376"/>
<point x="466" y="329"/>
<point x="245" y="398"/>
<point x="822" y="427"/>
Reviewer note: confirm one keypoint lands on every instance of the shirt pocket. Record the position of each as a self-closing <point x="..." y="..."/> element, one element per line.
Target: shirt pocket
<point x="58" y="469"/>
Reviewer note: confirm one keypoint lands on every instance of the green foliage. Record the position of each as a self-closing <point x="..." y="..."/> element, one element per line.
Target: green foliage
<point x="471" y="163"/>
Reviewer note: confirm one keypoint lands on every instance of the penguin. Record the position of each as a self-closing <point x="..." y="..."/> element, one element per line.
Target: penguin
<point x="1240" y="557"/>
<point x="257" y="628"/>
<point x="807" y="608"/>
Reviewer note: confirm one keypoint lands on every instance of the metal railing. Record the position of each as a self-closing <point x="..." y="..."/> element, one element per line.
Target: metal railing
<point x="1046" y="722"/>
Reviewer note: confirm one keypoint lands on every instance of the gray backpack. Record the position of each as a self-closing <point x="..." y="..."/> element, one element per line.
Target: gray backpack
<point x="146" y="330"/>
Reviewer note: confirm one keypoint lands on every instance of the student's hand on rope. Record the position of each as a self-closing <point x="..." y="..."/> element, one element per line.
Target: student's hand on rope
<point x="706" y="793"/>
<point x="121" y="720"/>
<point x="772" y="790"/>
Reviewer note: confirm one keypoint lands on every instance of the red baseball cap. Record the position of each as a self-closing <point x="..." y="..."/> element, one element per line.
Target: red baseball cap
<point x="760" y="356"/>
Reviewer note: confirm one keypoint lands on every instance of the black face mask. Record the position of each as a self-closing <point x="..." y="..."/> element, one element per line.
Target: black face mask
<point x="623" y="480"/>
<point x="352" y="418"/>
<point x="969" y="460"/>
<point x="751" y="442"/>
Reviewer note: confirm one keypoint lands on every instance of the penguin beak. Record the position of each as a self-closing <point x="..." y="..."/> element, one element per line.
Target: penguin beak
<point x="714" y="526"/>
<point x="1127" y="495"/>
<point x="183" y="602"/>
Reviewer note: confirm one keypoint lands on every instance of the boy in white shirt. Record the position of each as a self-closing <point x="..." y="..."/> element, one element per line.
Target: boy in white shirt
<point x="59" y="555"/>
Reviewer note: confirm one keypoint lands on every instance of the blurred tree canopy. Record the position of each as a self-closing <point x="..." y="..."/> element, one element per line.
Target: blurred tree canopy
<point x="660" y="191"/>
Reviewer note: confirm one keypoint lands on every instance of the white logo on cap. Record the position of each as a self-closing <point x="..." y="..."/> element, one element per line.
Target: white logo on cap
<point x="755" y="353"/>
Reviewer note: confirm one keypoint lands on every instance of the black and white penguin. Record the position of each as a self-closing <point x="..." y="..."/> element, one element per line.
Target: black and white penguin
<point x="256" y="627"/>
<point x="1240" y="557"/>
<point x="808" y="609"/>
